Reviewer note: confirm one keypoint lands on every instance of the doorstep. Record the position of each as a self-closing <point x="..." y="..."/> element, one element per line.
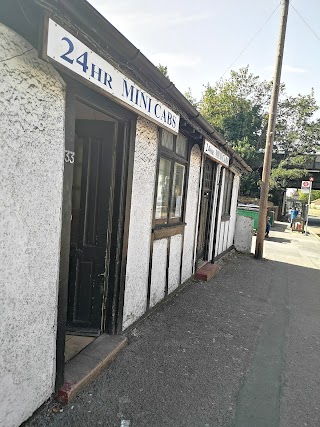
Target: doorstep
<point x="207" y="271"/>
<point x="87" y="365"/>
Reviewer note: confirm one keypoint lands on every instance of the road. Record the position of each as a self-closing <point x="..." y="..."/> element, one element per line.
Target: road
<point x="314" y="224"/>
<point x="239" y="351"/>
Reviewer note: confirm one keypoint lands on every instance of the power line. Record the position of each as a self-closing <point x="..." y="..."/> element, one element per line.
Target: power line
<point x="255" y="35"/>
<point x="303" y="20"/>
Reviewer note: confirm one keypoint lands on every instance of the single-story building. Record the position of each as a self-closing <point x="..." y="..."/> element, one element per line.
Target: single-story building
<point x="114" y="190"/>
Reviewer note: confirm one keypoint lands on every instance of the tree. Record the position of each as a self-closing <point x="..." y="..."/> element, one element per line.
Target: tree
<point x="303" y="197"/>
<point x="235" y="107"/>
<point x="238" y="108"/>
<point x="296" y="130"/>
<point x="164" y="70"/>
<point x="191" y="99"/>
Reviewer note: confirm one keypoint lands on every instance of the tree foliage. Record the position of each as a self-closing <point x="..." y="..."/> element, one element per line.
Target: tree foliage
<point x="296" y="130"/>
<point x="303" y="197"/>
<point x="163" y="69"/>
<point x="191" y="98"/>
<point x="238" y="108"/>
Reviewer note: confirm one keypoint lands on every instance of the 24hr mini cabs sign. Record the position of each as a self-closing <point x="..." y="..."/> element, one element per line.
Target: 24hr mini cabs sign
<point x="65" y="49"/>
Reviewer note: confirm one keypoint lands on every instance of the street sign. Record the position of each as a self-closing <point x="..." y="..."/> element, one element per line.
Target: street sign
<point x="305" y="186"/>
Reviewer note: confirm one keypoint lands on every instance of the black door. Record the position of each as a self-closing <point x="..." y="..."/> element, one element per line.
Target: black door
<point x="205" y="210"/>
<point x="91" y="222"/>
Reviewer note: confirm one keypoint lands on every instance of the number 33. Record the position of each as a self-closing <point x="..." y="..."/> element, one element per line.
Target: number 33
<point x="69" y="156"/>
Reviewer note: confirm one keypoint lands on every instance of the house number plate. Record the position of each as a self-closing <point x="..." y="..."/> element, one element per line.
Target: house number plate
<point x="69" y="156"/>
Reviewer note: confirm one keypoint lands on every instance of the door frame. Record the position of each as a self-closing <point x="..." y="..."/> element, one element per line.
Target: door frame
<point x="123" y="177"/>
<point x="209" y="211"/>
<point x="219" y="178"/>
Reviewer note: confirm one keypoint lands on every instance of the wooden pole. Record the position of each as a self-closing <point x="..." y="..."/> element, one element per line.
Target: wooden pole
<point x="270" y="135"/>
<point x="308" y="208"/>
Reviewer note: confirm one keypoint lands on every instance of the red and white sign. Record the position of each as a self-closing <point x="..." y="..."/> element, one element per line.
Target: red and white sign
<point x="305" y="186"/>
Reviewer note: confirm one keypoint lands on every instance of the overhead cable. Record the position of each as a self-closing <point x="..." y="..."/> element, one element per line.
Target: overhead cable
<point x="305" y="22"/>
<point x="251" y="40"/>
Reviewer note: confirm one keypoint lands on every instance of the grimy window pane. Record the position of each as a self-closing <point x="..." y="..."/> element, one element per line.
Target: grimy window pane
<point x="177" y="191"/>
<point x="167" y="139"/>
<point x="163" y="190"/>
<point x="225" y="192"/>
<point x="230" y="192"/>
<point x="181" y="146"/>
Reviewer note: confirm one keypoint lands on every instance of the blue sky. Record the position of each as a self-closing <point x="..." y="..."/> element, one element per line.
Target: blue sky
<point x="198" y="40"/>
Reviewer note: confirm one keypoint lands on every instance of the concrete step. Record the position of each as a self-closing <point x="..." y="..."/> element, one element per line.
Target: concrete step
<point x="87" y="365"/>
<point x="207" y="271"/>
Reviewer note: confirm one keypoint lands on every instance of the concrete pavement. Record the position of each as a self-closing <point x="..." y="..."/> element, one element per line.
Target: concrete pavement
<point x="241" y="350"/>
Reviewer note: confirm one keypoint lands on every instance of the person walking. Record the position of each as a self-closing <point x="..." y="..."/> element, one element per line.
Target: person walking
<point x="294" y="214"/>
<point x="268" y="227"/>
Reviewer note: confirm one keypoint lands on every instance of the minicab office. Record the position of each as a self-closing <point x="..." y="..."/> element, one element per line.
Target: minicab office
<point x="115" y="189"/>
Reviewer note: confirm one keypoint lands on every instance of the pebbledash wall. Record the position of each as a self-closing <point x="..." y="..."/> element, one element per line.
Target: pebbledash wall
<point x="182" y="247"/>
<point x="138" y="260"/>
<point x="32" y="96"/>
<point x="144" y="169"/>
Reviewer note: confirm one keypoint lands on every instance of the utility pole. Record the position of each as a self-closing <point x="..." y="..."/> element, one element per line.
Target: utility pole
<point x="309" y="201"/>
<point x="270" y="135"/>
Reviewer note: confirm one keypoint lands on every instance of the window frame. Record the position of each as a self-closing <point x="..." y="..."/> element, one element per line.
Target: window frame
<point x="227" y="194"/>
<point x="174" y="224"/>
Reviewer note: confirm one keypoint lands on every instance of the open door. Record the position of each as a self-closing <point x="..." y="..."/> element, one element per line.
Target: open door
<point x="90" y="227"/>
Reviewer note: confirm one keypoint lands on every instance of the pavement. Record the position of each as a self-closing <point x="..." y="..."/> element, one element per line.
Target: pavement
<point x="241" y="350"/>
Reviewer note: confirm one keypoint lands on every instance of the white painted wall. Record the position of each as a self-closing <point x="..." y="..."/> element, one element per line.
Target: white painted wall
<point x="226" y="229"/>
<point x="214" y="211"/>
<point x="174" y="262"/>
<point x="190" y="234"/>
<point x="159" y="269"/>
<point x="143" y="186"/>
<point x="220" y="226"/>
<point x="243" y="234"/>
<point x="32" y="105"/>
<point x="233" y="210"/>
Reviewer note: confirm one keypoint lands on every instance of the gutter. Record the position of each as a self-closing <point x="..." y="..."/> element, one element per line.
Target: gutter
<point x="121" y="49"/>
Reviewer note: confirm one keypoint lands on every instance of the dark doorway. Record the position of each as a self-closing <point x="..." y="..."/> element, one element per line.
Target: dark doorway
<point x="206" y="209"/>
<point x="92" y="198"/>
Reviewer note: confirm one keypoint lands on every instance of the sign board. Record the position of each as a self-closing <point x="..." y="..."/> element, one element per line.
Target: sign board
<point x="305" y="186"/>
<point x="215" y="154"/>
<point x="65" y="49"/>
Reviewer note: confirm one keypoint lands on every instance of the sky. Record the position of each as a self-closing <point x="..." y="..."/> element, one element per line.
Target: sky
<point x="199" y="40"/>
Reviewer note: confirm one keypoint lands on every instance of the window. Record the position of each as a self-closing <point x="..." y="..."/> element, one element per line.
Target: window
<point x="171" y="178"/>
<point x="228" y="184"/>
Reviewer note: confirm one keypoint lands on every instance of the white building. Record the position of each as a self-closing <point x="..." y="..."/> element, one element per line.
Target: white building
<point x="114" y="190"/>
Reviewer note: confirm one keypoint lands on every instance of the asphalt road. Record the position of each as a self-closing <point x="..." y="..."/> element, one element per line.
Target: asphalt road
<point x="314" y="224"/>
<point x="239" y="351"/>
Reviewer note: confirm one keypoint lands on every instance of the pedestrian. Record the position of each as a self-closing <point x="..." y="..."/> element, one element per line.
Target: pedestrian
<point x="293" y="216"/>
<point x="268" y="226"/>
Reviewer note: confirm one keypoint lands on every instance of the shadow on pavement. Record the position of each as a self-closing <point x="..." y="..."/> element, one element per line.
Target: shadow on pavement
<point x="215" y="355"/>
<point x="280" y="226"/>
<point x="278" y="240"/>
